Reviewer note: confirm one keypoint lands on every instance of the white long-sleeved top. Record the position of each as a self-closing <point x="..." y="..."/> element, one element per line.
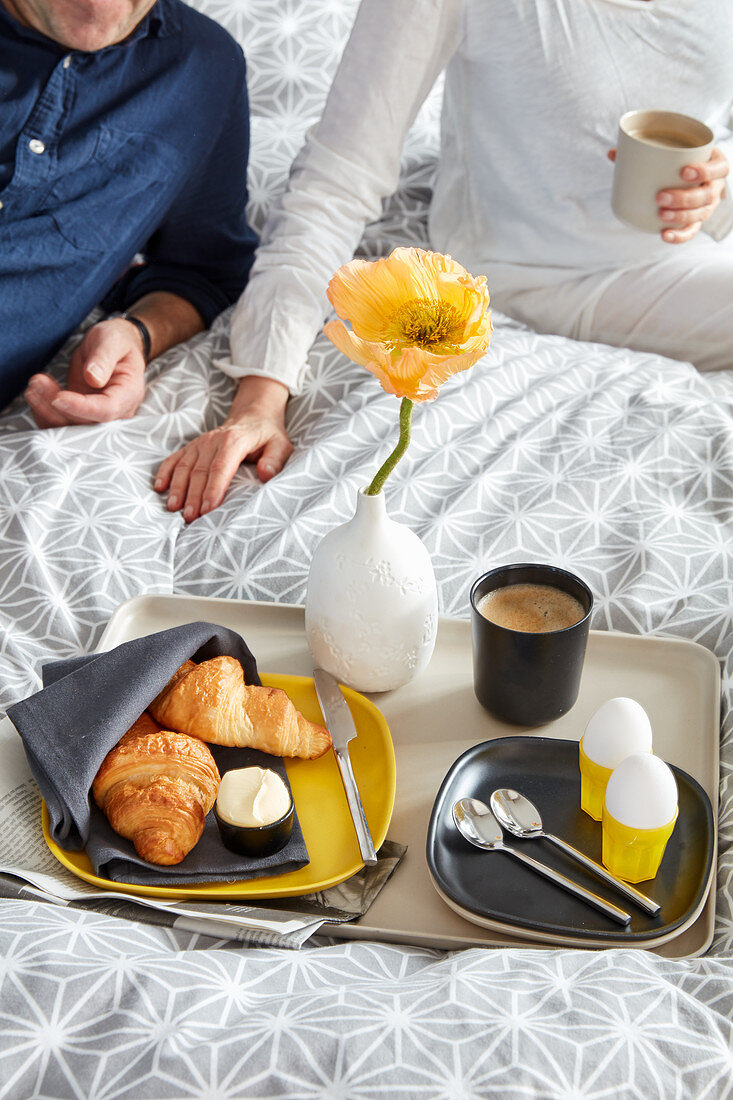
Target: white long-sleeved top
<point x="533" y="93"/>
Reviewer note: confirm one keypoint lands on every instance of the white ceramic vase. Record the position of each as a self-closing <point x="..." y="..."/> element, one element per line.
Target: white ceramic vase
<point x="371" y="611"/>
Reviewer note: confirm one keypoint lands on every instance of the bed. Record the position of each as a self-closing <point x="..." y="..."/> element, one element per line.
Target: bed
<point x="614" y="464"/>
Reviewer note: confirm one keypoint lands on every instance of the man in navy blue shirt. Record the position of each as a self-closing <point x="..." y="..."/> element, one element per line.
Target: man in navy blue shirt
<point x="124" y="137"/>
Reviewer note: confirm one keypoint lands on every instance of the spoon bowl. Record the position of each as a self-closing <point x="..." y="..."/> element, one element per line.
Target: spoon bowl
<point x="476" y="823"/>
<point x="516" y="813"/>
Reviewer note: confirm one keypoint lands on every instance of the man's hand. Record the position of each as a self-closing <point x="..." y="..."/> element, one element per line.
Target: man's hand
<point x="683" y="210"/>
<point x="106" y="377"/>
<point x="105" y="380"/>
<point x="198" y="475"/>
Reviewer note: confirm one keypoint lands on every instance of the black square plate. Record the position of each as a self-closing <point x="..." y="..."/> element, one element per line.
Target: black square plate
<point x="494" y="886"/>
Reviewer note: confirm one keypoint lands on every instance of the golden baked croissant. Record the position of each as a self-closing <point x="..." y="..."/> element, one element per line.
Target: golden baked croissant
<point x="212" y="701"/>
<point x="156" y="787"/>
<point x="144" y="724"/>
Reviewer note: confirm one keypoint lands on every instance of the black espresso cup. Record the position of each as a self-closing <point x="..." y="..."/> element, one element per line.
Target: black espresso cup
<point x="528" y="677"/>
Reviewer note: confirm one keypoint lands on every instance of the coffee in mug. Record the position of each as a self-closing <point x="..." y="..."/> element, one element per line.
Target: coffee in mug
<point x="529" y="629"/>
<point x="664" y="138"/>
<point x="532" y="608"/>
<point x="652" y="149"/>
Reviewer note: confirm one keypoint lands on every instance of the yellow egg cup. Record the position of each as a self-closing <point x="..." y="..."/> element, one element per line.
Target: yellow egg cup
<point x="593" y="780"/>
<point x="633" y="854"/>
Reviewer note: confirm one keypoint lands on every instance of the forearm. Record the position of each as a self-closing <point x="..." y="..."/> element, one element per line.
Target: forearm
<point x="169" y="319"/>
<point x="263" y="396"/>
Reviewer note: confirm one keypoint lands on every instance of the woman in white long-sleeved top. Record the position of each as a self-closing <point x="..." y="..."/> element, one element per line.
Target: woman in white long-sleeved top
<point x="533" y="93"/>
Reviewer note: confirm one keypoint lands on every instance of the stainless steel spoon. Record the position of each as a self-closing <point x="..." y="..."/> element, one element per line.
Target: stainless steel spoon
<point x="521" y="818"/>
<point x="476" y="823"/>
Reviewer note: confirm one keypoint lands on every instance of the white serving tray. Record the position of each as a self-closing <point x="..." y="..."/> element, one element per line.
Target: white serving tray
<point x="436" y="718"/>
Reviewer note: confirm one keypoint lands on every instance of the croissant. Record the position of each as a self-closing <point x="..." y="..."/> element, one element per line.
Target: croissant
<point x="144" y="724"/>
<point x="212" y="701"/>
<point x="156" y="787"/>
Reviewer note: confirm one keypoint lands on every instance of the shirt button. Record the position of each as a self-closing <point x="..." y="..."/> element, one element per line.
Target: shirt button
<point x="36" y="146"/>
<point x="67" y="61"/>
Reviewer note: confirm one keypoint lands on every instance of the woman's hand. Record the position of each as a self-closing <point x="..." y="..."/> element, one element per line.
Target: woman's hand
<point x="683" y="210"/>
<point x="198" y="475"/>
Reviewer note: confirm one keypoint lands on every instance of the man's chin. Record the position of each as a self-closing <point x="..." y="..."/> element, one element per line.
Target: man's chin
<point x="90" y="42"/>
<point x="88" y="37"/>
<point x="82" y="25"/>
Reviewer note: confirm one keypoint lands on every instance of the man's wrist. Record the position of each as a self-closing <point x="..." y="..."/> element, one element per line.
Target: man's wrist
<point x="141" y="327"/>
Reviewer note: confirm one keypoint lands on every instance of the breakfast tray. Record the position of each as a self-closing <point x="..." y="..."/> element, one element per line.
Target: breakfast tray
<point x="436" y="718"/>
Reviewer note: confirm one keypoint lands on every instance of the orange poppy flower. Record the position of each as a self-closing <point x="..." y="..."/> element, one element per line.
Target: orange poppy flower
<point x="416" y="318"/>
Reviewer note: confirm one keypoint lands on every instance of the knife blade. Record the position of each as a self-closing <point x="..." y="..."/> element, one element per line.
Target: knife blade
<point x="340" y="725"/>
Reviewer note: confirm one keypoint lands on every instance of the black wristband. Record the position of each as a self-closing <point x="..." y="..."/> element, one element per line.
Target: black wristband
<point x="141" y="327"/>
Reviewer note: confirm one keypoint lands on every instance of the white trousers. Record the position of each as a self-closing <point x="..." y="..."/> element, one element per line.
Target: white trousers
<point x="680" y="306"/>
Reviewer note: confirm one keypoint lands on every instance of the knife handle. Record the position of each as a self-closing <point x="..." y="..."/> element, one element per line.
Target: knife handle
<point x="366" y="845"/>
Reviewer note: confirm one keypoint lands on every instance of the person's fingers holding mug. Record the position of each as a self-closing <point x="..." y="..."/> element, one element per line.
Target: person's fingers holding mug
<point x="685" y="209"/>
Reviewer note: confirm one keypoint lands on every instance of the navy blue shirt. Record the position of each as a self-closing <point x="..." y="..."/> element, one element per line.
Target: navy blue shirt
<point x="139" y="148"/>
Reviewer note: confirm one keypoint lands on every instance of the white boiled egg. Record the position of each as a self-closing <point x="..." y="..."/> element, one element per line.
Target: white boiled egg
<point x="642" y="792"/>
<point x="619" y="727"/>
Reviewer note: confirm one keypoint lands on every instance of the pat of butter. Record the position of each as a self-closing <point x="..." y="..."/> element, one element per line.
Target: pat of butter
<point x="252" y="797"/>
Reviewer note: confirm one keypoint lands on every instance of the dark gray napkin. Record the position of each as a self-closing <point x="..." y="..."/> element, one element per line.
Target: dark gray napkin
<point x="85" y="707"/>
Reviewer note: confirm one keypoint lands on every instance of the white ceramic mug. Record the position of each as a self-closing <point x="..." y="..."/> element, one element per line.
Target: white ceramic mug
<point x="652" y="148"/>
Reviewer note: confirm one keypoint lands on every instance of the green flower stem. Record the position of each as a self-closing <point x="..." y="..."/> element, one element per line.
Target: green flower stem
<point x="386" y="469"/>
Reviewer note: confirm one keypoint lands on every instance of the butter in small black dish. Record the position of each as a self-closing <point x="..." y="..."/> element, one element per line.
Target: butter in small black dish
<point x="254" y="811"/>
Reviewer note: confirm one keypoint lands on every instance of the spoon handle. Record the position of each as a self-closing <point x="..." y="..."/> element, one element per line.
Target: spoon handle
<point x="606" y="907"/>
<point x="645" y="903"/>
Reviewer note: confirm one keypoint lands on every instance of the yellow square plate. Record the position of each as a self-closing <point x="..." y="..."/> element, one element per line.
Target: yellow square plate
<point x="320" y="802"/>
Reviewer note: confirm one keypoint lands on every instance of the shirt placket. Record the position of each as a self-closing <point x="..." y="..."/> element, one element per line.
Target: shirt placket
<point x="36" y="156"/>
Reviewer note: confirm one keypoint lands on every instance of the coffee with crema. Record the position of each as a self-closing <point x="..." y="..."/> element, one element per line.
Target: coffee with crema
<point x="531" y="608"/>
<point x="663" y="138"/>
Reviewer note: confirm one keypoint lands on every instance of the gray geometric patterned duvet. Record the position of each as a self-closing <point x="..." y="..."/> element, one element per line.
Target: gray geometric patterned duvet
<point x="617" y="465"/>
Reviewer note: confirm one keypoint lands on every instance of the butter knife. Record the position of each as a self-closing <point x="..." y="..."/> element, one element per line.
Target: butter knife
<point x="340" y="725"/>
